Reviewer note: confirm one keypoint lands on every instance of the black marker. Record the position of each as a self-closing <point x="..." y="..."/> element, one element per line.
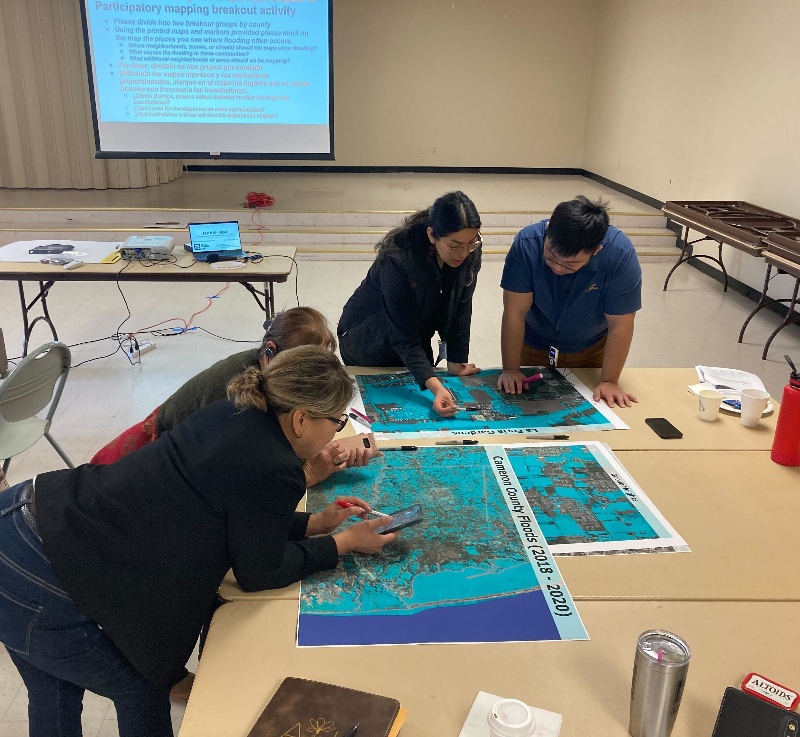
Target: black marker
<point x="456" y="442"/>
<point x="401" y="447"/>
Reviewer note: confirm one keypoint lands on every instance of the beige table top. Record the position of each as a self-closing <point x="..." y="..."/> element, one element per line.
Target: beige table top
<point x="251" y="649"/>
<point x="275" y="267"/>
<point x="735" y="510"/>
<point x="661" y="392"/>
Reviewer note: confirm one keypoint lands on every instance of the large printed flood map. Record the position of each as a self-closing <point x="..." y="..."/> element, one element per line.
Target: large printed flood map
<point x="586" y="502"/>
<point x="476" y="570"/>
<point x="398" y="408"/>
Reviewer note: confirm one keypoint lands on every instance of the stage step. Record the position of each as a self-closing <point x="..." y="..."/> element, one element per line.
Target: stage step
<point x="318" y="235"/>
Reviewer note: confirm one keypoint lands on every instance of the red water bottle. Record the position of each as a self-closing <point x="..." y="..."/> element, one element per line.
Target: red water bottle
<point x="786" y="446"/>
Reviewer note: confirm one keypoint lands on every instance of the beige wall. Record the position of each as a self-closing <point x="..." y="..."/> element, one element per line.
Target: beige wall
<point x="501" y="83"/>
<point x="695" y="100"/>
<point x="700" y="100"/>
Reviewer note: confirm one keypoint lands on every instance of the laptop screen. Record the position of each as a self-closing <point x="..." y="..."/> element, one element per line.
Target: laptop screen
<point x="212" y="237"/>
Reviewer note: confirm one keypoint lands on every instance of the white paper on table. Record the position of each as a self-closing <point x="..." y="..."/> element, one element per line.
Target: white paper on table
<point x="91" y="252"/>
<point x="548" y="723"/>
<point x="729" y="378"/>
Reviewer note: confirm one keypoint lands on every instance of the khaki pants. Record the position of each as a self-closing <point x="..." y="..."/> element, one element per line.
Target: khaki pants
<point x="591" y="357"/>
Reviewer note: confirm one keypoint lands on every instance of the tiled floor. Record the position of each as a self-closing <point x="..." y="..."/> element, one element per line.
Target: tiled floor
<point x="692" y="323"/>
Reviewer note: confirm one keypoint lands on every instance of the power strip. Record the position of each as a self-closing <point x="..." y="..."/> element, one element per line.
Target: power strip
<point x="144" y="347"/>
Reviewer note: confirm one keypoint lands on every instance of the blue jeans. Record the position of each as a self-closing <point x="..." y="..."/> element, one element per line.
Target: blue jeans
<point x="58" y="651"/>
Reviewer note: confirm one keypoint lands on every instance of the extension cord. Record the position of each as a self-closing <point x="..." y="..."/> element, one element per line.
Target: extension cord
<point x="144" y="347"/>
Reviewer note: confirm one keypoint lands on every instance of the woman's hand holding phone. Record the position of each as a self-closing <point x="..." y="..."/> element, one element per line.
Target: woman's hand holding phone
<point x="362" y="537"/>
<point x="326" y="521"/>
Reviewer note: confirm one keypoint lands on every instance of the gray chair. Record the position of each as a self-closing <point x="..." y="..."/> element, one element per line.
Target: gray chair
<point x="36" y="382"/>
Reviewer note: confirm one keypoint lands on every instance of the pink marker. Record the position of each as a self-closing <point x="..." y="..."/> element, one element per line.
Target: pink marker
<point x="533" y="378"/>
<point x="361" y="415"/>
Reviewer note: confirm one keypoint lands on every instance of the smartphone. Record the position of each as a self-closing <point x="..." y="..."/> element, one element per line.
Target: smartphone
<point x="52" y="248"/>
<point x="663" y="428"/>
<point x="355" y="442"/>
<point x="58" y="260"/>
<point x="402" y="518"/>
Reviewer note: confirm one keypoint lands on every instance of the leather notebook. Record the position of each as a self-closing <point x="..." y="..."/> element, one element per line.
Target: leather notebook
<point x="302" y="708"/>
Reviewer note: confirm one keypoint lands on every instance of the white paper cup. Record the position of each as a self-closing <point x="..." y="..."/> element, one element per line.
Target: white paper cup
<point x="709" y="402"/>
<point x="754" y="402"/>
<point x="511" y="718"/>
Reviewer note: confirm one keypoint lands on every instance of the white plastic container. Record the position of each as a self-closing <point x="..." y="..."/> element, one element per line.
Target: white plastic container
<point x="511" y="718"/>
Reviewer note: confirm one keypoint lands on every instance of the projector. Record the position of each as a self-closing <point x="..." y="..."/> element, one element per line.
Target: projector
<point x="147" y="248"/>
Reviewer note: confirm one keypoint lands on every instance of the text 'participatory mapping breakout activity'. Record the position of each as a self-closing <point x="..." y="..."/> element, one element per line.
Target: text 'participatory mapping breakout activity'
<point x="223" y="61"/>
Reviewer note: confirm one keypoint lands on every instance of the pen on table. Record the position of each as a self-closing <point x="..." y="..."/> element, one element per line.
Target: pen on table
<point x="545" y="436"/>
<point x="359" y="420"/>
<point x="456" y="442"/>
<point x="533" y="378"/>
<point x="351" y="732"/>
<point x="400" y="447"/>
<point x="360" y="414"/>
<point x="468" y="408"/>
<point x="346" y="505"/>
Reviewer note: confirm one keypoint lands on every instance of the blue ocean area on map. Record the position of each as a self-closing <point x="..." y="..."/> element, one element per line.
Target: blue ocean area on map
<point x="576" y="500"/>
<point x="394" y="403"/>
<point x="440" y="577"/>
<point x="523" y="617"/>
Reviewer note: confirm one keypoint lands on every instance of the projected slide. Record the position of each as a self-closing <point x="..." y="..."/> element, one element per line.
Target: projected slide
<point x="211" y="77"/>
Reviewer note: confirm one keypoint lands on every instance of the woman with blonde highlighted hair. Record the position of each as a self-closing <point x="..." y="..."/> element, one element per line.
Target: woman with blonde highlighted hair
<point x="293" y="327"/>
<point x="109" y="571"/>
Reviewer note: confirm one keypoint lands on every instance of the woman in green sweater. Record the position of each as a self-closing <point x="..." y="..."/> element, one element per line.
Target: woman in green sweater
<point x="291" y="328"/>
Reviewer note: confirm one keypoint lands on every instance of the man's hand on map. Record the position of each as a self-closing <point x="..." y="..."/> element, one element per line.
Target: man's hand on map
<point x="326" y="521"/>
<point x="612" y="395"/>
<point x="510" y="381"/>
<point x="362" y="538"/>
<point x="462" y="369"/>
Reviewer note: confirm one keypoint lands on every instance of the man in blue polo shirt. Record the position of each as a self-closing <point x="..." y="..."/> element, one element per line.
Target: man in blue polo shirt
<point x="571" y="289"/>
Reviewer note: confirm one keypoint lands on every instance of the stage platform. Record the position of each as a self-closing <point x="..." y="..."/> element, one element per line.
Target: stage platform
<point x="324" y="215"/>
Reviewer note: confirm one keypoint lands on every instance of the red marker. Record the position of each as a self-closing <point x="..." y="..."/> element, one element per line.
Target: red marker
<point x="533" y="378"/>
<point x="346" y="505"/>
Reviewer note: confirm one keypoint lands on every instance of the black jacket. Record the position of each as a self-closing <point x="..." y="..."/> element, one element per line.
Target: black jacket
<point x="403" y="300"/>
<point x="142" y="545"/>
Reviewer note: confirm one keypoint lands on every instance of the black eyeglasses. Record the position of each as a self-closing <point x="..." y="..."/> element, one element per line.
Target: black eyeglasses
<point x="340" y="422"/>
<point x="461" y="247"/>
<point x="569" y="267"/>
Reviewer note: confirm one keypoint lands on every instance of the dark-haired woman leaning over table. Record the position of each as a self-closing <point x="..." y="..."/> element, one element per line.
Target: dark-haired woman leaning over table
<point x="422" y="282"/>
<point x="108" y="572"/>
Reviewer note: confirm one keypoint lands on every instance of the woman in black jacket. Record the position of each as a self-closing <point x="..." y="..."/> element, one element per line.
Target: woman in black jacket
<point x="107" y="572"/>
<point x="421" y="283"/>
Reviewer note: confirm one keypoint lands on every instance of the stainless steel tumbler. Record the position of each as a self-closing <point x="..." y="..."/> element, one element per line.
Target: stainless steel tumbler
<point x="659" y="673"/>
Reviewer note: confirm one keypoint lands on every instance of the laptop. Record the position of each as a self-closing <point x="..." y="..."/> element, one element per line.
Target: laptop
<point x="219" y="240"/>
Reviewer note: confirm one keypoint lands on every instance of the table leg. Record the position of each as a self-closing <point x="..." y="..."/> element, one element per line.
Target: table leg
<point x="269" y="297"/>
<point x="762" y="302"/>
<point x="788" y="320"/>
<point x="684" y="258"/>
<point x="27" y="327"/>
<point x="3" y="365"/>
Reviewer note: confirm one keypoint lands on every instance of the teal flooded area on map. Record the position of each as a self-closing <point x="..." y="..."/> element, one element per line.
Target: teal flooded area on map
<point x="395" y="404"/>
<point x="466" y="550"/>
<point x="575" y="499"/>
